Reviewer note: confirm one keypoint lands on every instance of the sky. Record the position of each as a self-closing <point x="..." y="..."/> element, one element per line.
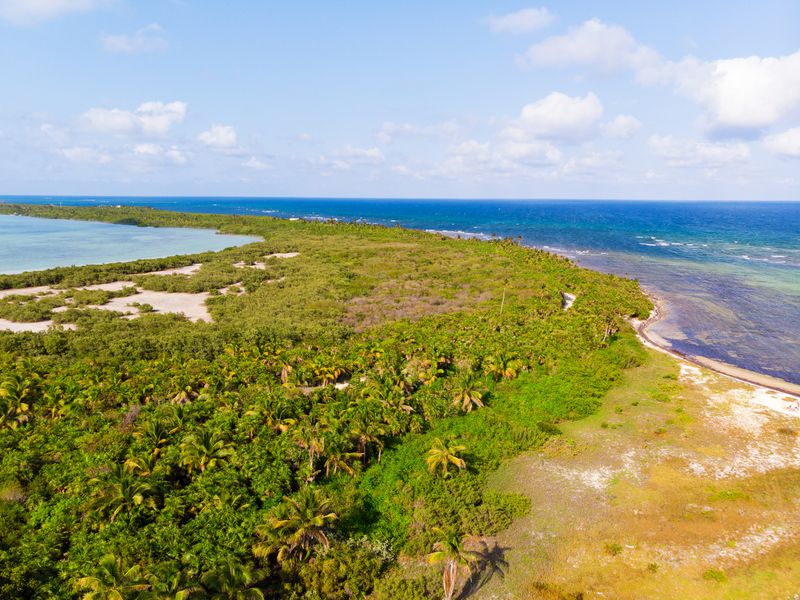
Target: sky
<point x="445" y="99"/>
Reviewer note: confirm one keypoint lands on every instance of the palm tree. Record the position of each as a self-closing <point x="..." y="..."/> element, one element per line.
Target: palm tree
<point x="232" y="580"/>
<point x="309" y="436"/>
<point x="441" y="456"/>
<point x="502" y="366"/>
<point x="112" y="581"/>
<point x="204" y="450"/>
<point x="15" y="392"/>
<point x="450" y="550"/>
<point x="341" y="460"/>
<point x="301" y="528"/>
<point x="122" y="492"/>
<point x="142" y="465"/>
<point x="469" y="392"/>
<point x="170" y="582"/>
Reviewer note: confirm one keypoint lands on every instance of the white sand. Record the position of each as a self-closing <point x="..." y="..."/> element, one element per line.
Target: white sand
<point x="567" y="300"/>
<point x="114" y="286"/>
<point x="31" y="291"/>
<point x="36" y="327"/>
<point x="192" y="306"/>
<point x="282" y="255"/>
<point x="187" y="270"/>
<point x="242" y="265"/>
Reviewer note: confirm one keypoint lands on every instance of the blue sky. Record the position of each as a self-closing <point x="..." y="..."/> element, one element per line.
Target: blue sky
<point x="615" y="99"/>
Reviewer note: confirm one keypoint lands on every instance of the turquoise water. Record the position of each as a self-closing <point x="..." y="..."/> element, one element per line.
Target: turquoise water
<point x="729" y="271"/>
<point x="31" y="244"/>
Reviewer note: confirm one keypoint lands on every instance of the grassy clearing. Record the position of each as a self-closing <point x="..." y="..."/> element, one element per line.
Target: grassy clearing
<point x="618" y="511"/>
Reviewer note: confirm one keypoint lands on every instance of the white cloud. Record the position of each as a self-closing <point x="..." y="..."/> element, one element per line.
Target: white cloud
<point x="84" y="154"/>
<point x="350" y="156"/>
<point x="157" y="153"/>
<point x="522" y="21"/>
<point x="255" y="164"/>
<point x="54" y="134"/>
<point x="688" y="153"/>
<point x="147" y="39"/>
<point x="622" y="127"/>
<point x="558" y="117"/>
<point x="742" y="96"/>
<point x="605" y="48"/>
<point x="155" y="118"/>
<point x="29" y="12"/>
<point x="147" y="149"/>
<point x="784" y="144"/>
<point x="389" y="130"/>
<point x="159" y="117"/>
<point x="220" y="137"/>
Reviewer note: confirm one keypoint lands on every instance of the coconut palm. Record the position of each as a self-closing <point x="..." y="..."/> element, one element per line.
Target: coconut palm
<point x="169" y="582"/>
<point x="204" y="450"/>
<point x="16" y="393"/>
<point x="341" y="460"/>
<point x="441" y="456"/>
<point x="310" y="437"/>
<point x="450" y="550"/>
<point x="469" y="392"/>
<point x="111" y="580"/>
<point x="302" y="525"/>
<point x="232" y="580"/>
<point x="142" y="464"/>
<point x="121" y="492"/>
<point x="502" y="366"/>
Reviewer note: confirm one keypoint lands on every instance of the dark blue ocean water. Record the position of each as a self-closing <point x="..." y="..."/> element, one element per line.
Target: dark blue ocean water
<point x="729" y="271"/>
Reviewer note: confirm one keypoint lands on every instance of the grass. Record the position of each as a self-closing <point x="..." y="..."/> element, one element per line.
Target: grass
<point x="652" y="529"/>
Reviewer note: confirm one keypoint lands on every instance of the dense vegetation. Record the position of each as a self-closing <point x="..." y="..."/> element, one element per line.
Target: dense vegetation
<point x="339" y="415"/>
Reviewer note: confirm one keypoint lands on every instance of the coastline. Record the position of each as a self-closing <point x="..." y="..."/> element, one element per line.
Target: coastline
<point x="655" y="341"/>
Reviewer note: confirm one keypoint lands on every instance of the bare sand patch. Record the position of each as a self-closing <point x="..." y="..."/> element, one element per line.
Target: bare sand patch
<point x="567" y="300"/>
<point x="192" y="306"/>
<point x="282" y="255"/>
<point x="36" y="327"/>
<point x="257" y="265"/>
<point x="29" y="291"/>
<point x="187" y="270"/>
<point x="114" y="286"/>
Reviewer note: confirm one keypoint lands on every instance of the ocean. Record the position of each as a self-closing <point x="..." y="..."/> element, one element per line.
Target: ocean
<point x="728" y="271"/>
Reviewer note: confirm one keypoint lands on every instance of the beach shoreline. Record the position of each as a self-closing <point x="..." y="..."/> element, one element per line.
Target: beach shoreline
<point x="655" y="341"/>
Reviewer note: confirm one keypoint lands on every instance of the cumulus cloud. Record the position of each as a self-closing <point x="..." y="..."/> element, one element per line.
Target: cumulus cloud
<point x="621" y="127"/>
<point x="742" y="96"/>
<point x="389" y="130"/>
<point x="152" y="118"/>
<point x="30" y="12"/>
<point x="171" y="154"/>
<point x="147" y="39"/>
<point x="255" y="164"/>
<point x="595" y="45"/>
<point x="85" y="154"/>
<point x="522" y="21"/>
<point x="558" y="117"/>
<point x="784" y="144"/>
<point x="689" y="153"/>
<point x="221" y="137"/>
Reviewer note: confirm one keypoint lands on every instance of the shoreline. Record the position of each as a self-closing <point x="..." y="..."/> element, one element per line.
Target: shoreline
<point x="653" y="340"/>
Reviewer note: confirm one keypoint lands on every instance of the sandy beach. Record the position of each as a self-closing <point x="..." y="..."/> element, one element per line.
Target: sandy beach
<point x="654" y="340"/>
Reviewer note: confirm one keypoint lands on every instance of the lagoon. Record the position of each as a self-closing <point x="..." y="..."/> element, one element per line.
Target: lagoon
<point x="30" y="244"/>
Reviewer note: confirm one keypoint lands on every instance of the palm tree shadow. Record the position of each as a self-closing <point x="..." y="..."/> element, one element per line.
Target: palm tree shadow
<point x="491" y="563"/>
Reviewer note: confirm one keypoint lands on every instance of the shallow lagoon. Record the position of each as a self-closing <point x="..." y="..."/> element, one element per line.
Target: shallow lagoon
<point x="29" y="244"/>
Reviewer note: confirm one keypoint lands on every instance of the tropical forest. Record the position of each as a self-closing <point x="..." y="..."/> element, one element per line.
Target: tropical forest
<point x="325" y="432"/>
